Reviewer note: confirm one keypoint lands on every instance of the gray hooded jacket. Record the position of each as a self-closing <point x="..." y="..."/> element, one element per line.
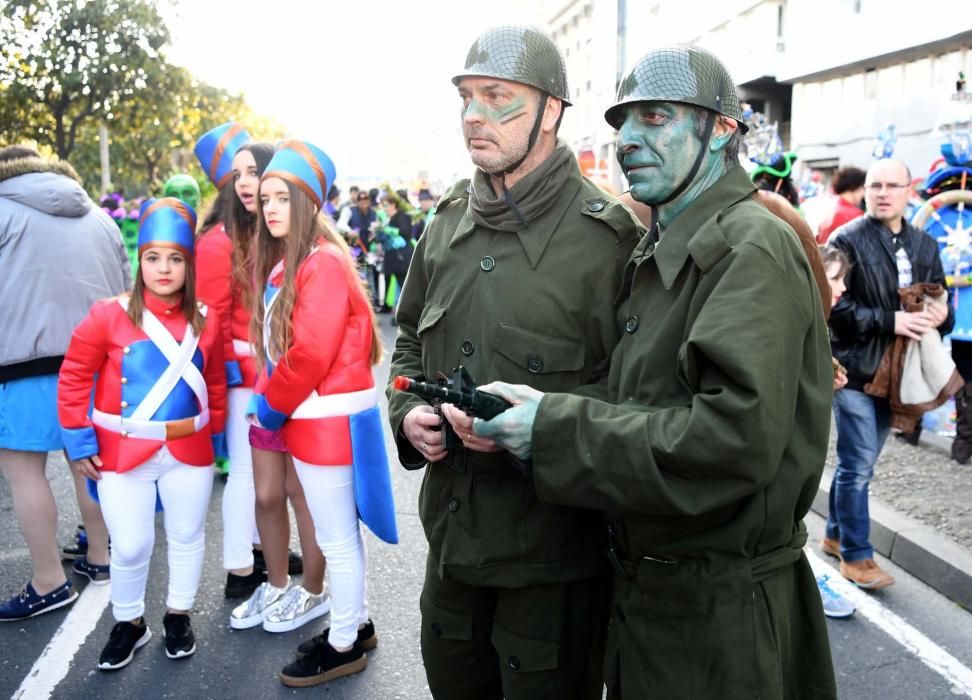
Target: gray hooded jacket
<point x="59" y="253"/>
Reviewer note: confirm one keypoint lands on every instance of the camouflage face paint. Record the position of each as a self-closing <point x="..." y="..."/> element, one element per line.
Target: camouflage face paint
<point x="517" y="108"/>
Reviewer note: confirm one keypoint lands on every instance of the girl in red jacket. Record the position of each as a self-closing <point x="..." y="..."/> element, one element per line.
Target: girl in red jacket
<point x="316" y="330"/>
<point x="159" y="384"/>
<point x="261" y="478"/>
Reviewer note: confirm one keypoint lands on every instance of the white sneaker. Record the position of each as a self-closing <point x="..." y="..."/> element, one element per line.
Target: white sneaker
<point x="251" y="613"/>
<point x="295" y="609"/>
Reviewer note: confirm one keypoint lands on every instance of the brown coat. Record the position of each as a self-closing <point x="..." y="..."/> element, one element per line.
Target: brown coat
<point x="890" y="375"/>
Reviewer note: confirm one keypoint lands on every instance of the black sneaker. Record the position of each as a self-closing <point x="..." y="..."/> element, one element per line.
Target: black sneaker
<point x="325" y="665"/>
<point x="179" y="639"/>
<point x="295" y="563"/>
<point x="126" y="638"/>
<point x="367" y="640"/>
<point x="243" y="586"/>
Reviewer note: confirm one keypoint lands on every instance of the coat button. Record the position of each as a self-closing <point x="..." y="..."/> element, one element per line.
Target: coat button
<point x="127" y="350"/>
<point x="596" y="205"/>
<point x="467" y="348"/>
<point x="632" y="324"/>
<point x="124" y="380"/>
<point x="453" y="505"/>
<point x="514" y="663"/>
<point x="435" y="629"/>
<point x="124" y="404"/>
<point x="487" y="263"/>
<point x="534" y="364"/>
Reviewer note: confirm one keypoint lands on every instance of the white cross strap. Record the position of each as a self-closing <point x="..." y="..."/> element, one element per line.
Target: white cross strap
<point x="180" y="366"/>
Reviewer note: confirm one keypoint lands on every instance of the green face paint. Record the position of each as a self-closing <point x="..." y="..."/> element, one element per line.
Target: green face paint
<point x="504" y="114"/>
<point x="657" y="146"/>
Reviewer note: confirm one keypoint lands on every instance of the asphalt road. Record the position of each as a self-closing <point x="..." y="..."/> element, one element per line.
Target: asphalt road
<point x="906" y="643"/>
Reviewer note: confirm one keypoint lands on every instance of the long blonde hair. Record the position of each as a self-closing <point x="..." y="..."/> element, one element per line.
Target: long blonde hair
<point x="307" y="226"/>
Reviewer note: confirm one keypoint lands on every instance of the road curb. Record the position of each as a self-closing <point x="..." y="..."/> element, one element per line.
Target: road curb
<point x="915" y="547"/>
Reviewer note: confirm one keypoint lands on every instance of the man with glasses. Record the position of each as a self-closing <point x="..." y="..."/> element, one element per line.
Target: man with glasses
<point x="887" y="253"/>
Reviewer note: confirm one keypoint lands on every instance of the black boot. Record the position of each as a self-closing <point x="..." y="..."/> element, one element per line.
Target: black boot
<point x="962" y="444"/>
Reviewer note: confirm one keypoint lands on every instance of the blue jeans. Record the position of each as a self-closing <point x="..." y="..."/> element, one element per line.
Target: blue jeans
<point x="862" y="427"/>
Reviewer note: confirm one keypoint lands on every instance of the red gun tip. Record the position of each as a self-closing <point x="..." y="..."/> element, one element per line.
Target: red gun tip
<point x="401" y="383"/>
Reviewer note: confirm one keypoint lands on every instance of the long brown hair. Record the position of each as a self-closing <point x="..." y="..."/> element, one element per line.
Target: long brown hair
<point x="307" y="227"/>
<point x="189" y="307"/>
<point x="240" y="225"/>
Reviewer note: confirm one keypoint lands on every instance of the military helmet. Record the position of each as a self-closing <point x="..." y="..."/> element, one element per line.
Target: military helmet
<point x="519" y="53"/>
<point x="678" y="73"/>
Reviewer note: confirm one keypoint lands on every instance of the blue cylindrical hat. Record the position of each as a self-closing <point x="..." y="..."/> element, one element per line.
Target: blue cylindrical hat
<point x="167" y="223"/>
<point x="303" y="165"/>
<point x="216" y="148"/>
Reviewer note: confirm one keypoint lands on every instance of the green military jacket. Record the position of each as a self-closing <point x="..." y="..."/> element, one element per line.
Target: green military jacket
<point x="535" y="306"/>
<point x="709" y="447"/>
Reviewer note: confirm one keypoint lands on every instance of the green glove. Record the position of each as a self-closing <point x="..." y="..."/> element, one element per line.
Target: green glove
<point x="513" y="428"/>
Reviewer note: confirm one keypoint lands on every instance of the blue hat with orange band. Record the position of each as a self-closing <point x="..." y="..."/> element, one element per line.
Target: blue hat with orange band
<point x="305" y="166"/>
<point x="167" y="223"/>
<point x="215" y="150"/>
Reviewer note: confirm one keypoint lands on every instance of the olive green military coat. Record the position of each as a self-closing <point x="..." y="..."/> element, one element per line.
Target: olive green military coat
<point x="535" y="306"/>
<point x="709" y="447"/>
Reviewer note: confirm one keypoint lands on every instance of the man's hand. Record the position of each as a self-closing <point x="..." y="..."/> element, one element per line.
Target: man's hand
<point x="463" y="425"/>
<point x="513" y="428"/>
<point x="88" y="467"/>
<point x="914" y="324"/>
<point x="422" y="427"/>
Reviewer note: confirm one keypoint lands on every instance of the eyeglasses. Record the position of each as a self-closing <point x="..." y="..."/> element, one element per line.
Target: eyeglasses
<point x="891" y="187"/>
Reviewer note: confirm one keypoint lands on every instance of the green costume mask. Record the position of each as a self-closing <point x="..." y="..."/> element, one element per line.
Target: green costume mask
<point x="184" y="187"/>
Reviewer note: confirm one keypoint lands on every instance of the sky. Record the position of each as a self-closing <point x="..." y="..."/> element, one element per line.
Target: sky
<point x="368" y="82"/>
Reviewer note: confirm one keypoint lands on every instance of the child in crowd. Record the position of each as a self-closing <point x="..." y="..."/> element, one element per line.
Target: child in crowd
<point x="159" y="382"/>
<point x="836" y="265"/>
<point x="261" y="475"/>
<point x="317" y="340"/>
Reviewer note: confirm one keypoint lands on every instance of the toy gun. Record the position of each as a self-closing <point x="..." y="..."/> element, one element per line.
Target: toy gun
<point x="460" y="391"/>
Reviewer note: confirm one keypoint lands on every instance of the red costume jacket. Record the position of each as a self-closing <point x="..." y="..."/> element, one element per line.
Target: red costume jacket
<point x="330" y="353"/>
<point x="214" y="287"/>
<point x="127" y="365"/>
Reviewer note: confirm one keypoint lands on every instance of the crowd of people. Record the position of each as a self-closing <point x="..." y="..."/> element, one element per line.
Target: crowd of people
<point x="635" y="519"/>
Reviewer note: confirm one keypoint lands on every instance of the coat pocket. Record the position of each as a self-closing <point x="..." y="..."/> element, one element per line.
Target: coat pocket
<point x="520" y="656"/>
<point x="533" y="354"/>
<point x="444" y="624"/>
<point x="431" y="332"/>
<point x="694" y="622"/>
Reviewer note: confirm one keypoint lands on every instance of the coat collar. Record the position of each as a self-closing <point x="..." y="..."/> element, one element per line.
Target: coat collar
<point x="686" y="232"/>
<point x="537" y="235"/>
<point x="159" y="307"/>
<point x="23" y="166"/>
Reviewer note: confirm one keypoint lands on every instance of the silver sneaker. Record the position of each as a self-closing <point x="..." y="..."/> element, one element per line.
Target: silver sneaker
<point x="251" y="613"/>
<point x="295" y="609"/>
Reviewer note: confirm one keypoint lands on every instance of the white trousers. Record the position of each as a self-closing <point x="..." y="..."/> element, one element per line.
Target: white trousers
<point x="128" y="504"/>
<point x="329" y="492"/>
<point x="239" y="496"/>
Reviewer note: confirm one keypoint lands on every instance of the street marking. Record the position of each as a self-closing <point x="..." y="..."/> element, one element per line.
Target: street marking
<point x="933" y="656"/>
<point x="54" y="662"/>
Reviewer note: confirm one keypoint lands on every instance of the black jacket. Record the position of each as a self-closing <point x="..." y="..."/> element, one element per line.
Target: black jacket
<point x="862" y="321"/>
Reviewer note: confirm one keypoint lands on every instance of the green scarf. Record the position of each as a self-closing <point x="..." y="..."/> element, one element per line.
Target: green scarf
<point x="534" y="194"/>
